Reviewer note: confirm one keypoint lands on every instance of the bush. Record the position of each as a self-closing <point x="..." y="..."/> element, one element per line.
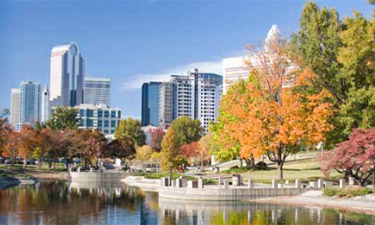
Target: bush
<point x="330" y="191"/>
<point x="261" y="166"/>
<point x="347" y="192"/>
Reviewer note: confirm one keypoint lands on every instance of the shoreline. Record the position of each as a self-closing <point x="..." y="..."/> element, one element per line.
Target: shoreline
<point x="362" y="204"/>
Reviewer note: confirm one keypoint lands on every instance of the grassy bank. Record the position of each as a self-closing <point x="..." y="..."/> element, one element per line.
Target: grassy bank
<point x="348" y="192"/>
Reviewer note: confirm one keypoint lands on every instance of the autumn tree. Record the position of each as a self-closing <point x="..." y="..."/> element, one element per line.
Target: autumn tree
<point x="156" y="138"/>
<point x="144" y="153"/>
<point x="12" y="144"/>
<point x="123" y="148"/>
<point x="131" y="128"/>
<point x="170" y="147"/>
<point x="4" y="129"/>
<point x="274" y="117"/>
<point x="206" y="145"/>
<point x="28" y="143"/>
<point x="187" y="130"/>
<point x="63" y="118"/>
<point x="341" y="54"/>
<point x="353" y="158"/>
<point x="190" y="151"/>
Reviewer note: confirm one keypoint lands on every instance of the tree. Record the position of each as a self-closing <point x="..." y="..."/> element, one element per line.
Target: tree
<point x="4" y="129"/>
<point x="144" y="153"/>
<point x="274" y="117"/>
<point x="341" y="54"/>
<point x="190" y="151"/>
<point x="63" y="118"/>
<point x="206" y="145"/>
<point x="131" y="128"/>
<point x="29" y="141"/>
<point x="92" y="145"/>
<point x="123" y="148"/>
<point x="354" y="158"/>
<point x="169" y="152"/>
<point x="156" y="138"/>
<point x="187" y="130"/>
<point x="11" y="145"/>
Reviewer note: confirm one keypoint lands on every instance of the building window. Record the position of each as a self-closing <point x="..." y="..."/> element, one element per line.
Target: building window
<point x="106" y="123"/>
<point x="100" y="113"/>
<point x="90" y="113"/>
<point x="100" y="123"/>
<point x="81" y="113"/>
<point x="119" y="114"/>
<point x="106" y="114"/>
<point x="113" y="123"/>
<point x="113" y="114"/>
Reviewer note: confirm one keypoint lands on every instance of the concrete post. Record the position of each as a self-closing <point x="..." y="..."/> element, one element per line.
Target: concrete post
<point x="313" y="184"/>
<point x="236" y="180"/>
<point x="286" y="181"/>
<point x="169" y="183"/>
<point x="179" y="183"/>
<point x="342" y="183"/>
<point x="70" y="169"/>
<point x="91" y="170"/>
<point x="320" y="184"/>
<point x="220" y="180"/>
<point x="274" y="184"/>
<point x="162" y="183"/>
<point x="79" y="169"/>
<point x="297" y="184"/>
<point x="192" y="184"/>
<point x="226" y="184"/>
<point x="250" y="184"/>
<point x="173" y="183"/>
<point x="200" y="182"/>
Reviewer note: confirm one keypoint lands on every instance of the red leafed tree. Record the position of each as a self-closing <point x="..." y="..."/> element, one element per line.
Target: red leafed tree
<point x="190" y="150"/>
<point x="354" y="158"/>
<point x="156" y="138"/>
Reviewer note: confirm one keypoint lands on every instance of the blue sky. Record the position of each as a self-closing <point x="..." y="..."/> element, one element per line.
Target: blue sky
<point x="136" y="41"/>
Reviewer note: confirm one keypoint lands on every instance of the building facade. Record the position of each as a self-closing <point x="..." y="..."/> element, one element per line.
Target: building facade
<point x="97" y="91"/>
<point x="166" y="99"/>
<point x="234" y="69"/>
<point x="15" y="107"/>
<point x="196" y="95"/>
<point x="29" y="103"/>
<point x="98" y="117"/>
<point x="150" y="104"/>
<point x="45" y="111"/>
<point x="66" y="76"/>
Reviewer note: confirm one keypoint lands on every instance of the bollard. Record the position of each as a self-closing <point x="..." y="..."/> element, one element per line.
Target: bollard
<point x="91" y="170"/>
<point x="320" y="184"/>
<point x="342" y="183"/>
<point x="313" y="184"/>
<point x="220" y="180"/>
<point x="200" y="182"/>
<point x="192" y="184"/>
<point x="179" y="183"/>
<point x="297" y="184"/>
<point x="226" y="184"/>
<point x="274" y="184"/>
<point x="236" y="180"/>
<point x="79" y="169"/>
<point x="286" y="181"/>
<point x="173" y="183"/>
<point x="250" y="184"/>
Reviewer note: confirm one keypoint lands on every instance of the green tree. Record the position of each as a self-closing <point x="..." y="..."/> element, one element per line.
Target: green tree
<point x="187" y="130"/>
<point x="170" y="147"/>
<point x="144" y="153"/>
<point x="341" y="54"/>
<point x="123" y="148"/>
<point x="63" y="118"/>
<point x="131" y="128"/>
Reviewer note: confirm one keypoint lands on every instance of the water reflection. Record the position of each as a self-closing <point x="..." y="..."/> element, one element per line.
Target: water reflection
<point x="115" y="203"/>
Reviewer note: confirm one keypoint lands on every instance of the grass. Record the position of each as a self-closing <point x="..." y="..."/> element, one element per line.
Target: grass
<point x="7" y="170"/>
<point x="160" y="175"/>
<point x="303" y="169"/>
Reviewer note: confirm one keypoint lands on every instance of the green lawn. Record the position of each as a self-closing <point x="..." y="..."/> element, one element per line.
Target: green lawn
<point x="7" y="170"/>
<point x="303" y="169"/>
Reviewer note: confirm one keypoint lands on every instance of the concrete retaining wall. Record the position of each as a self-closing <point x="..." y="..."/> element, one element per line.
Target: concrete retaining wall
<point x="97" y="176"/>
<point x="226" y="194"/>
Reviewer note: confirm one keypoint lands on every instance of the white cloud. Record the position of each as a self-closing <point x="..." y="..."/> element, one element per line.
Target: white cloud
<point x="135" y="82"/>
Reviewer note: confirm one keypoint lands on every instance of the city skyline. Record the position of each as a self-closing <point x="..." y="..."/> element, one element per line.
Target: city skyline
<point x="127" y="62"/>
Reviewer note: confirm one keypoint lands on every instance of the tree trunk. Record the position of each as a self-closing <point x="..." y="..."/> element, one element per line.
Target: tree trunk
<point x="280" y="171"/>
<point x="250" y="162"/>
<point x="24" y="163"/>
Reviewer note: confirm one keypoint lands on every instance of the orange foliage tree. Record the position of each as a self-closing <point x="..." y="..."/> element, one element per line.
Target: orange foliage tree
<point x="274" y="116"/>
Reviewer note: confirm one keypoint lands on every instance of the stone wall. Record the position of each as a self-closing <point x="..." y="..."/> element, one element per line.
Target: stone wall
<point x="97" y="176"/>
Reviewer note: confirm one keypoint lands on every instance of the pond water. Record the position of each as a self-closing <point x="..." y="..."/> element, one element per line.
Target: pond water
<point x="55" y="202"/>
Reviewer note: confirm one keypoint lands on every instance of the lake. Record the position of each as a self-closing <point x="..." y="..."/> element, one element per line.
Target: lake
<point x="59" y="202"/>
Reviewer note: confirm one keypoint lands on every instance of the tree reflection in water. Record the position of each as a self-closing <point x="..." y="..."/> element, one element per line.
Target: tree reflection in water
<point x="55" y="202"/>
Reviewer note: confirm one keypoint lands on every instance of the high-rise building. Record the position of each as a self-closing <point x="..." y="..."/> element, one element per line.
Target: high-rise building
<point x="29" y="103"/>
<point x="98" y="117"/>
<point x="97" y="91"/>
<point x="15" y="107"/>
<point x="234" y="69"/>
<point x="166" y="104"/>
<point x="196" y="95"/>
<point x="45" y="113"/>
<point x="150" y="104"/>
<point x="66" y="78"/>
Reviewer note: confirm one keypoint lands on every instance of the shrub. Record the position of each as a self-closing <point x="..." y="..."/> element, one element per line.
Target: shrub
<point x="261" y="166"/>
<point x="330" y="191"/>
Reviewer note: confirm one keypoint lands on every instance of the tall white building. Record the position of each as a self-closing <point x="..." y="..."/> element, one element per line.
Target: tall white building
<point x="15" y="107"/>
<point x="66" y="78"/>
<point x="45" y="113"/>
<point x="29" y="103"/>
<point x="234" y="69"/>
<point x="97" y="91"/>
<point x="196" y="95"/>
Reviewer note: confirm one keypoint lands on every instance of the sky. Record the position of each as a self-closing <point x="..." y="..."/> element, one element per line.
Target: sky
<point x="134" y="41"/>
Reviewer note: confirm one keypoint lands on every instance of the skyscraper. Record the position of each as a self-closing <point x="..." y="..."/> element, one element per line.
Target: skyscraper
<point x="45" y="113"/>
<point x="67" y="71"/>
<point x="15" y="107"/>
<point x="234" y="69"/>
<point x="97" y="91"/>
<point x="196" y="95"/>
<point x="29" y="103"/>
<point x="150" y="104"/>
<point x="166" y="104"/>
